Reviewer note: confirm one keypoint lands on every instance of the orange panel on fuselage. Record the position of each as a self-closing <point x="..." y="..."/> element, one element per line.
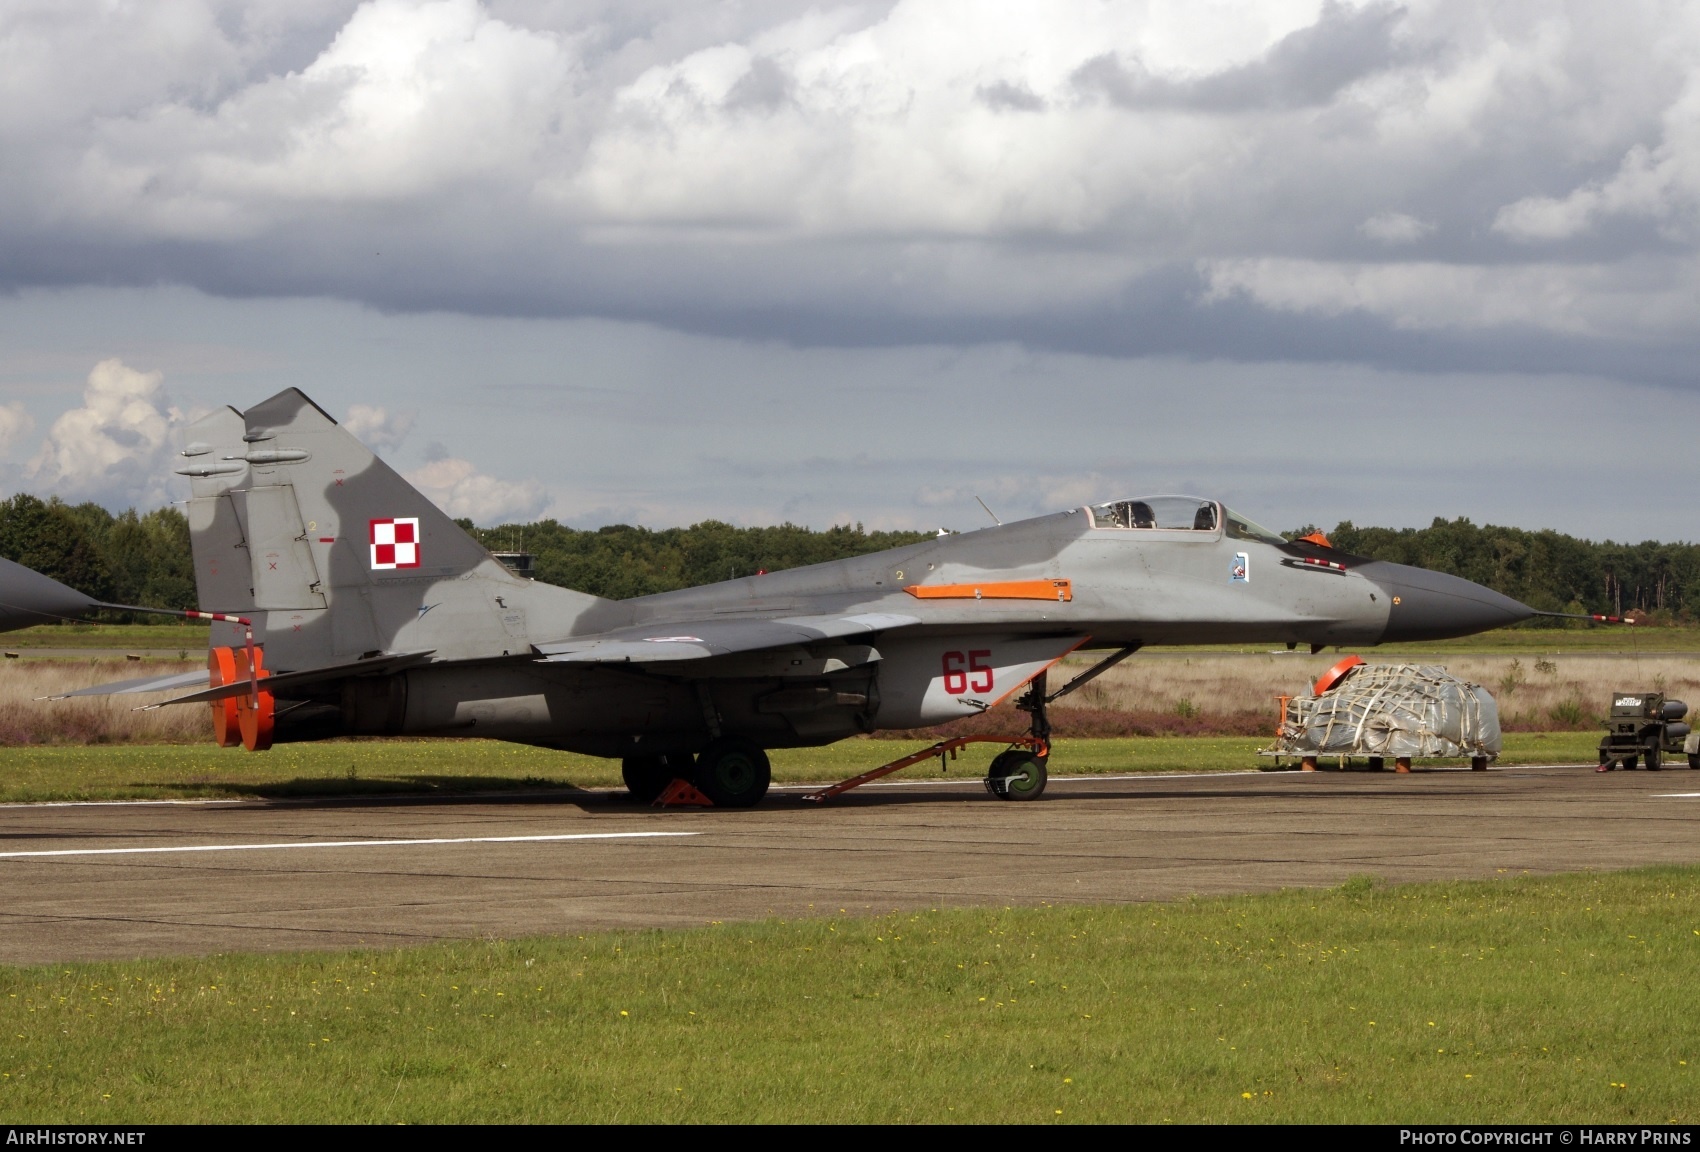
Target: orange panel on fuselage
<point x="995" y="590"/>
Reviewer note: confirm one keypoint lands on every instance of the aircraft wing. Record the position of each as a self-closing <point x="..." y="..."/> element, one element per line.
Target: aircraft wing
<point x="283" y="681"/>
<point x="273" y="684"/>
<point x="146" y="684"/>
<point x="645" y="644"/>
<point x="699" y="639"/>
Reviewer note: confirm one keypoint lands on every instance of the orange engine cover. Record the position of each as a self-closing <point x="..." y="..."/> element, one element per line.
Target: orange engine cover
<point x="245" y="719"/>
<point x="254" y="710"/>
<point x="221" y="670"/>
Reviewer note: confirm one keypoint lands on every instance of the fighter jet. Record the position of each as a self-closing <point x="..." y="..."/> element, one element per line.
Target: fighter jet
<point x="345" y="603"/>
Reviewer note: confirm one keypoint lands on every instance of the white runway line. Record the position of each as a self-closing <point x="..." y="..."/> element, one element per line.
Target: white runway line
<point x="340" y="844"/>
<point x="1676" y="795"/>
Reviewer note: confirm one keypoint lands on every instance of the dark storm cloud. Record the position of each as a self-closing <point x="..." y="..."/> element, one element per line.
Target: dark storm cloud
<point x="1441" y="185"/>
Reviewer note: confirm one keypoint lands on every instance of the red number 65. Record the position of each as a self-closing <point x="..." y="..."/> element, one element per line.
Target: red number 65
<point x="957" y="666"/>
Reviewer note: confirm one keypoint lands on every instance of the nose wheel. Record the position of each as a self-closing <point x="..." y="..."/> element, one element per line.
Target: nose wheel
<point x="1017" y="775"/>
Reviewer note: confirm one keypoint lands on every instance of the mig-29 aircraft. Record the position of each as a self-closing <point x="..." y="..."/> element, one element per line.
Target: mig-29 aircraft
<point x="345" y="603"/>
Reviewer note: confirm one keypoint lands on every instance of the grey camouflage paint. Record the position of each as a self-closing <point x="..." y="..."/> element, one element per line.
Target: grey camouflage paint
<point x="281" y="518"/>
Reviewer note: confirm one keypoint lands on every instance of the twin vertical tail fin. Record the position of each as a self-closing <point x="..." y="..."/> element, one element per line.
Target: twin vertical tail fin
<point x="297" y="524"/>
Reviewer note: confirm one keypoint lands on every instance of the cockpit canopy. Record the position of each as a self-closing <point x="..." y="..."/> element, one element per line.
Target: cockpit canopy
<point x="1179" y="513"/>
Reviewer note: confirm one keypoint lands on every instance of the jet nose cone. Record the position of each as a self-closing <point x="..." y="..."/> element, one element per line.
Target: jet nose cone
<point x="1426" y="605"/>
<point x="27" y="597"/>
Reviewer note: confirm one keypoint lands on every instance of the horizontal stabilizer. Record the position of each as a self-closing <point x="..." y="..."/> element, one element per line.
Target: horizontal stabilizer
<point x="283" y="682"/>
<point x="698" y="639"/>
<point x="146" y="684"/>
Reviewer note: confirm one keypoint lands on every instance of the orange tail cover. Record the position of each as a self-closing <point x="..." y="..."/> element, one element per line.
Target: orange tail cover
<point x="995" y="590"/>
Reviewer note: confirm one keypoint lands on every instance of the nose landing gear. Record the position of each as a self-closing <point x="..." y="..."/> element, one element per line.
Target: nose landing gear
<point x="1017" y="775"/>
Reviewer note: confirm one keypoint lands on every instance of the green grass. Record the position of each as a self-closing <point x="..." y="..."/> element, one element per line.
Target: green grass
<point x="162" y="771"/>
<point x="136" y="636"/>
<point x="1523" y="1000"/>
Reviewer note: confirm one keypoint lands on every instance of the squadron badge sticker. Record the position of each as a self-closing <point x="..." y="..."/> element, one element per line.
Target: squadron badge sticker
<point x="395" y="543"/>
<point x="1239" y="572"/>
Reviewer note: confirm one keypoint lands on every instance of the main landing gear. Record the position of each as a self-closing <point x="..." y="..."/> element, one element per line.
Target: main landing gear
<point x="732" y="773"/>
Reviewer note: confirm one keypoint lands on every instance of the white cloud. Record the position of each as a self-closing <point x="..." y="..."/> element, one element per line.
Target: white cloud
<point x="1647" y="301"/>
<point x="1660" y="183"/>
<point x="861" y="120"/>
<point x="116" y="448"/>
<point x="1395" y="228"/>
<point x="15" y="421"/>
<point x="883" y="171"/>
<point x="458" y="488"/>
<point x="409" y="99"/>
<point x="377" y="427"/>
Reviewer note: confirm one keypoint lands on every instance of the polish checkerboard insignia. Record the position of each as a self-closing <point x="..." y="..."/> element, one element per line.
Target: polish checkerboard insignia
<point x="395" y="542"/>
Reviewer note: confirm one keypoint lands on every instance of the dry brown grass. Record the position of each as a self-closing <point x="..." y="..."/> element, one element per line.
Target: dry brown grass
<point x="92" y="719"/>
<point x="1154" y="694"/>
<point x="1535" y="694"/>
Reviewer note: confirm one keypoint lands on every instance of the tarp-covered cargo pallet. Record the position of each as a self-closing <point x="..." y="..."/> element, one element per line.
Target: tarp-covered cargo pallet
<point x="1379" y="712"/>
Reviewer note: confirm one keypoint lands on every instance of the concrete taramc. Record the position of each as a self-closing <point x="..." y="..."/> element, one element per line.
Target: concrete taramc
<point x="110" y="881"/>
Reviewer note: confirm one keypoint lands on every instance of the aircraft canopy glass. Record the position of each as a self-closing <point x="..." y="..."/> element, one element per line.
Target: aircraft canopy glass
<point x="1186" y="513"/>
<point x="1180" y="513"/>
<point x="1240" y="528"/>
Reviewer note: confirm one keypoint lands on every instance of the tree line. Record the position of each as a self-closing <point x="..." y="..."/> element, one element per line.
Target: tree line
<point x="1545" y="569"/>
<point x="144" y="558"/>
<point x="621" y="561"/>
<point x="131" y="558"/>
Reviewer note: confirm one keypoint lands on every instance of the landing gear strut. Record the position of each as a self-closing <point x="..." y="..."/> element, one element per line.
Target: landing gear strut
<point x="1020" y="774"/>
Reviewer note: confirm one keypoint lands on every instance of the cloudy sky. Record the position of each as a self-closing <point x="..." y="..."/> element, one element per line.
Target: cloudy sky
<point x="657" y="262"/>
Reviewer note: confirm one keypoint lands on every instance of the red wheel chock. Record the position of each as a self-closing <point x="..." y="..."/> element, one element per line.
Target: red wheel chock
<point x="682" y="794"/>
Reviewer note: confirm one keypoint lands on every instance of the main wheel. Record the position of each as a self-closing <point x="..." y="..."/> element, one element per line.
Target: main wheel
<point x="1694" y="759"/>
<point x="733" y="773"/>
<point x="1654" y="759"/>
<point x="1629" y="762"/>
<point x="646" y="776"/>
<point x="1016" y="775"/>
